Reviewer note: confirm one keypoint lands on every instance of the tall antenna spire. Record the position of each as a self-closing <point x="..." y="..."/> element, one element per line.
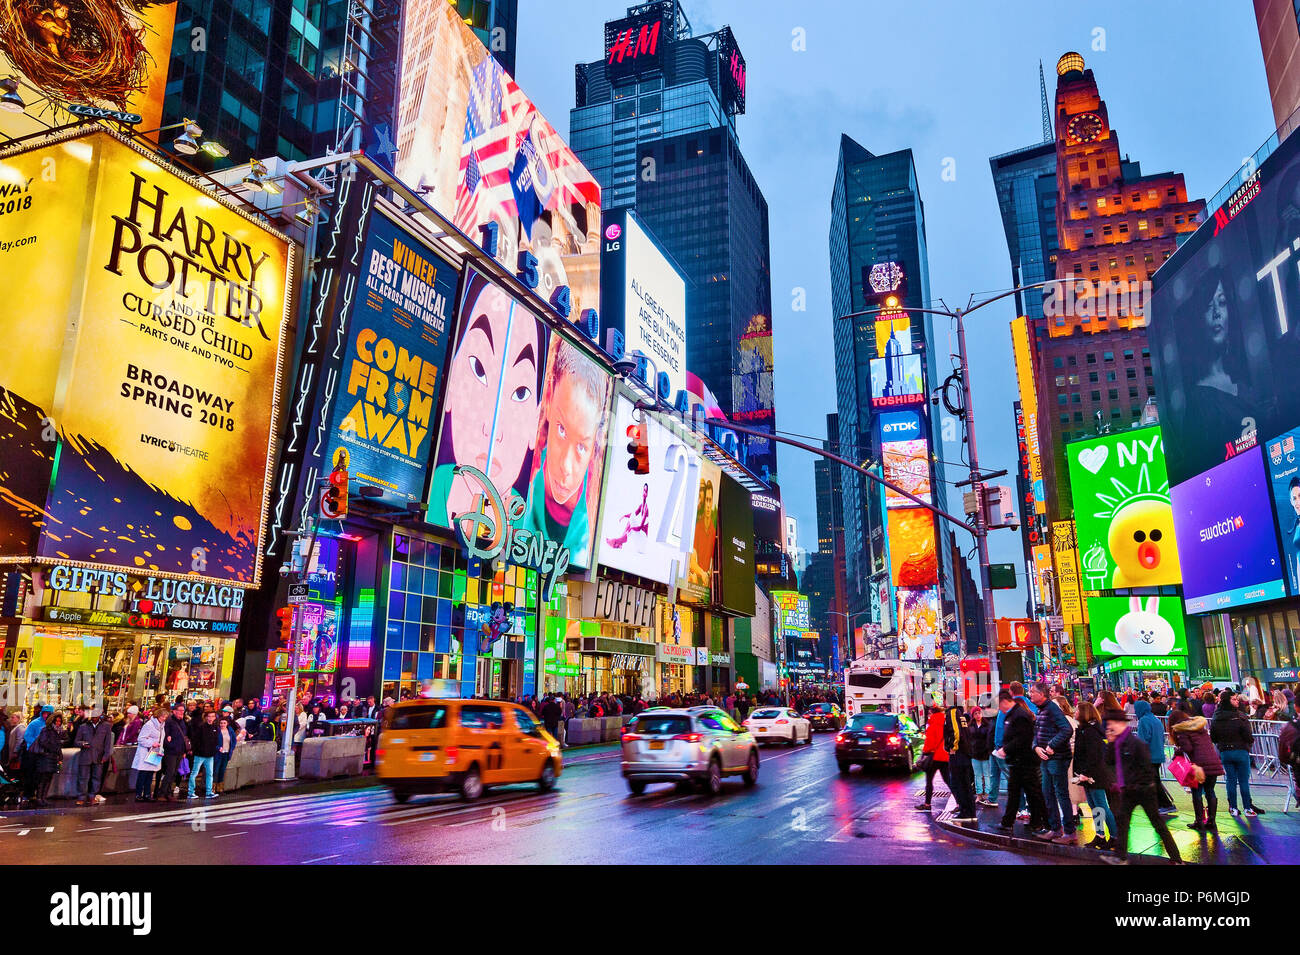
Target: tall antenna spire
<point x="1048" y="135"/>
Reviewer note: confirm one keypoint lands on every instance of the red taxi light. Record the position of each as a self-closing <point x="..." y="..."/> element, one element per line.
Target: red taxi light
<point x="630" y="737"/>
<point x="689" y="737"/>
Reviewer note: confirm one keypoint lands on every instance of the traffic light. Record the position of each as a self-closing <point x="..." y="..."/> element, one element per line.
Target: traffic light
<point x="334" y="499"/>
<point x="638" y="446"/>
<point x="286" y="627"/>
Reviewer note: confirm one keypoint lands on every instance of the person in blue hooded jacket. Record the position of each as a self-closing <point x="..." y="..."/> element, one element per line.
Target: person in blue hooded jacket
<point x="1152" y="732"/>
<point x="28" y="765"/>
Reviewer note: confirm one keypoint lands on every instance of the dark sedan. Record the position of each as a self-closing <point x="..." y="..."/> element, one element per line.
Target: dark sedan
<point x="824" y="716"/>
<point x="879" y="738"/>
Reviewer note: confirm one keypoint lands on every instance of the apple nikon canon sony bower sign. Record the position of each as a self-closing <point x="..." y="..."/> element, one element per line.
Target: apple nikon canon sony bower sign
<point x="166" y="320"/>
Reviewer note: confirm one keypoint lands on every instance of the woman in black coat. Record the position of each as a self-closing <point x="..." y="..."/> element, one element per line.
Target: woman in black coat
<point x="49" y="757"/>
<point x="1091" y="770"/>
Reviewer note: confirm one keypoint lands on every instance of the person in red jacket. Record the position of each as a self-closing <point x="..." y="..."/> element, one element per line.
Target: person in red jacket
<point x="934" y="758"/>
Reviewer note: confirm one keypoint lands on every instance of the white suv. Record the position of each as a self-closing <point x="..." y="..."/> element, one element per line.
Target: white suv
<point x="698" y="745"/>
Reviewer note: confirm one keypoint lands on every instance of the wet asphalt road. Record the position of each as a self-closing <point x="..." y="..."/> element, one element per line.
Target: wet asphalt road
<point x="801" y="811"/>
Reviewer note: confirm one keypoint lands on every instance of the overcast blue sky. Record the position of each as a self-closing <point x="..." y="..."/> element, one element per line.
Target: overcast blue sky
<point x="1183" y="81"/>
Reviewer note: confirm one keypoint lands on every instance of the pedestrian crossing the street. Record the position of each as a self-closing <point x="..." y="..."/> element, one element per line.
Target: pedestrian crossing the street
<point x="371" y="806"/>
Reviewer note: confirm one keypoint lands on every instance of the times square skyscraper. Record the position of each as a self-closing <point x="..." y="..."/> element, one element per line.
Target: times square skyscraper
<point x="655" y="123"/>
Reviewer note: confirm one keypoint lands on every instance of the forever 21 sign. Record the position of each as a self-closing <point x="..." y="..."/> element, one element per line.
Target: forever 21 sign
<point x="621" y="603"/>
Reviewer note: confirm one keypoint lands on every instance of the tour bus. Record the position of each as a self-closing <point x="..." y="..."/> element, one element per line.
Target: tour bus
<point x="876" y="686"/>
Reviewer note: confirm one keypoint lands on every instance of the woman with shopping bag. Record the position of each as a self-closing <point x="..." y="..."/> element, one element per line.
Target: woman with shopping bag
<point x="1196" y="766"/>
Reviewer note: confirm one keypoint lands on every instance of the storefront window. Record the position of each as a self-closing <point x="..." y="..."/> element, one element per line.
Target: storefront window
<point x="1216" y="648"/>
<point x="1262" y="632"/>
<point x="1282" y="638"/>
<point x="1242" y="640"/>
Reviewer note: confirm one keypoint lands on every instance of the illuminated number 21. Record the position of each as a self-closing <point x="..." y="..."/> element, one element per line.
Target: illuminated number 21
<point x="679" y="528"/>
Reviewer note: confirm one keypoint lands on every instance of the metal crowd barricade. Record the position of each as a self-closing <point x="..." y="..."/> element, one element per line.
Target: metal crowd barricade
<point x="1264" y="759"/>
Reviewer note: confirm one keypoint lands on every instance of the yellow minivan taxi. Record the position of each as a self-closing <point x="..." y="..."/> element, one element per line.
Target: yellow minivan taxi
<point x="464" y="746"/>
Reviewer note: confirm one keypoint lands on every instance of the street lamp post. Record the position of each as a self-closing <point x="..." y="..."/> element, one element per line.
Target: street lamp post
<point x="848" y="621"/>
<point x="976" y="478"/>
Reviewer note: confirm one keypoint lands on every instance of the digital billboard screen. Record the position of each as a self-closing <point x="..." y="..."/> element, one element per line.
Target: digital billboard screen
<point x="913" y="561"/>
<point x="1225" y="323"/>
<point x="527" y="408"/>
<point x="635" y="45"/>
<point x="643" y="295"/>
<point x="648" y="525"/>
<point x="918" y="624"/>
<point x="906" y="465"/>
<point x="1139" y="626"/>
<point x="696" y="586"/>
<point x="753" y="398"/>
<point x="483" y="153"/>
<point x="396" y="357"/>
<point x="154" y="454"/>
<point x="736" y="549"/>
<point x="897" y="381"/>
<point x="110" y="53"/>
<point x="1226" y="541"/>
<point x="1283" y="461"/>
<point x="1124" y="520"/>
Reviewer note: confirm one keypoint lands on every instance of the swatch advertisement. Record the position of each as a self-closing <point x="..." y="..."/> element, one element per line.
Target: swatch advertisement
<point x="477" y="146"/>
<point x="1283" y="462"/>
<point x="529" y="409"/>
<point x="736" y="549"/>
<point x="171" y="308"/>
<point x="1226" y="541"/>
<point x="392" y="372"/>
<point x="648" y="525"/>
<point x="1141" y="626"/>
<point x="918" y="623"/>
<point x="1124" y="521"/>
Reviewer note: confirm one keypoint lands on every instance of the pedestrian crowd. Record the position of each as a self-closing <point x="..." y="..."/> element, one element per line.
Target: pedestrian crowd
<point x="1061" y="754"/>
<point x="177" y="744"/>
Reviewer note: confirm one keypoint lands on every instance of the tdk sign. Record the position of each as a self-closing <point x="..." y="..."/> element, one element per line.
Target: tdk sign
<point x="899" y="425"/>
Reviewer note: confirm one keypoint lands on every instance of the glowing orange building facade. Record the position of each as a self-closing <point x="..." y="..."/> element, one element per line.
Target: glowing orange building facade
<point x="1115" y="227"/>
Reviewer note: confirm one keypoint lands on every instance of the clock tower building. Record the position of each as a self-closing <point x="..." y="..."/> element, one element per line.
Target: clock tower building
<point x="1115" y="227"/>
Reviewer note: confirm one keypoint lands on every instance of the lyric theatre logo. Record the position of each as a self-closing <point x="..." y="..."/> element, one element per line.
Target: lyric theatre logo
<point x="74" y="908"/>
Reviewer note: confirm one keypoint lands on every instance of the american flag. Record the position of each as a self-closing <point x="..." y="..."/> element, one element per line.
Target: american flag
<point x="496" y="124"/>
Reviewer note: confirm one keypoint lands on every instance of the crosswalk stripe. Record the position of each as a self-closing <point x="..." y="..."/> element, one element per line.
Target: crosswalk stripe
<point x="187" y="812"/>
<point x="264" y="815"/>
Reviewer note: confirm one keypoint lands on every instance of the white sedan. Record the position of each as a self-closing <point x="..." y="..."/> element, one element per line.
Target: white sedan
<point x="770" y="723"/>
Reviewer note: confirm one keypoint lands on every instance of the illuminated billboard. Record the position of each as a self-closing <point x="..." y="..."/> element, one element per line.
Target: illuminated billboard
<point x="98" y="53"/>
<point x="1138" y="627"/>
<point x="1123" y="516"/>
<point x="752" y="395"/>
<point x="477" y="146"/>
<point x="643" y="295"/>
<point x="634" y="45"/>
<point x="907" y="465"/>
<point x="1284" y="477"/>
<point x="913" y="561"/>
<point x="1226" y="541"/>
<point x="527" y="408"/>
<point x="697" y="585"/>
<point x="1225" y="323"/>
<point x="897" y="381"/>
<point x="918" y="623"/>
<point x="735" y="549"/>
<point x="393" y="369"/>
<point x="164" y="327"/>
<point x="1027" y="425"/>
<point x="648" y="524"/>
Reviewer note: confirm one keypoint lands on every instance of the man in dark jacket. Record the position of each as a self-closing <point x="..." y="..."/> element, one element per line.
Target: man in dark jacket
<point x="1052" y="734"/>
<point x="94" y="739"/>
<point x="961" y="773"/>
<point x="1023" y="778"/>
<point x="1135" y="780"/>
<point x="205" y="739"/>
<point x="551" y="713"/>
<point x="176" y="744"/>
